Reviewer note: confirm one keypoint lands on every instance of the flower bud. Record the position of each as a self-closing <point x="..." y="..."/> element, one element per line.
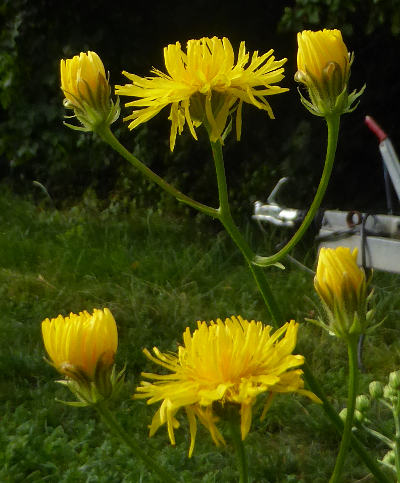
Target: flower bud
<point x="394" y="380"/>
<point x="323" y="64"/>
<point x="342" y="287"/>
<point x="376" y="390"/>
<point x="358" y="416"/>
<point x="389" y="392"/>
<point x="363" y="403"/>
<point x="87" y="91"/>
<point x="343" y="414"/>
<point x="82" y="348"/>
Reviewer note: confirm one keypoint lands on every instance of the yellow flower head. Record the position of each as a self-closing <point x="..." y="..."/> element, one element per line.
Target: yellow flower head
<point x="204" y="85"/>
<point x="323" y="64"/>
<point x="80" y="345"/>
<point x="87" y="91"/>
<point x="342" y="286"/>
<point x="319" y="50"/>
<point x="229" y="362"/>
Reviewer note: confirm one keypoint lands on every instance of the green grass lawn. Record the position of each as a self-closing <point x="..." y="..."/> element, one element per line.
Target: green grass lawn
<point x="157" y="274"/>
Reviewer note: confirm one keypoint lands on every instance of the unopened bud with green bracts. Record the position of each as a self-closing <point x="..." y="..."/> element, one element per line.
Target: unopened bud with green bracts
<point x="87" y="92"/>
<point x="323" y="66"/>
<point x="342" y="287"/>
<point x="376" y="390"/>
<point x="394" y="380"/>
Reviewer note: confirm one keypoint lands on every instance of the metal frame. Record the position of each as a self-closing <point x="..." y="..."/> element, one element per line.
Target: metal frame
<point x="377" y="237"/>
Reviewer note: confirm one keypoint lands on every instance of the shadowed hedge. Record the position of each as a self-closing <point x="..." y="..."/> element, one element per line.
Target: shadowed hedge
<point x="34" y="145"/>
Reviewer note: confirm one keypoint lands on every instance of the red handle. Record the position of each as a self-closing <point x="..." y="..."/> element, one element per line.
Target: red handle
<point x="375" y="128"/>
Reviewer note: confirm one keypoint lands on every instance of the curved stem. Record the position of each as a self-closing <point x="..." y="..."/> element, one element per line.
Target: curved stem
<point x="351" y="405"/>
<point x="107" y="136"/>
<point x="257" y="271"/>
<point x="112" y="423"/>
<point x="241" y="457"/>
<point x="274" y="309"/>
<point x="333" y="123"/>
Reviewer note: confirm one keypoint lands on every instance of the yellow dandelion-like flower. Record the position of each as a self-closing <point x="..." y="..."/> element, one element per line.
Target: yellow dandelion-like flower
<point x="204" y="85"/>
<point x="342" y="286"/>
<point x="79" y="344"/>
<point x="229" y="362"/>
<point x="87" y="91"/>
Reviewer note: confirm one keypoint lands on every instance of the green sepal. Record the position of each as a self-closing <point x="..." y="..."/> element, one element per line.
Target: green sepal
<point x="353" y="97"/>
<point x="329" y="95"/>
<point x="107" y="385"/>
<point x="76" y="404"/>
<point x="76" y="128"/>
<point x="309" y="106"/>
<point x="321" y="325"/>
<point x="226" y="131"/>
<point x="96" y="111"/>
<point x="373" y="327"/>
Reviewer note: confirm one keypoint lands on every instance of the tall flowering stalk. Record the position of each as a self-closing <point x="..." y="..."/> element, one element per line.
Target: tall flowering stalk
<point x="323" y="66"/>
<point x="206" y="86"/>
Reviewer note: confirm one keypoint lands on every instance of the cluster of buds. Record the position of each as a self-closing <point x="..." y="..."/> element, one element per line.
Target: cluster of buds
<point x="389" y="396"/>
<point x="363" y="404"/>
<point x="323" y="66"/>
<point x="342" y="287"/>
<point x="390" y="392"/>
<point x="82" y="348"/>
<point x="87" y="91"/>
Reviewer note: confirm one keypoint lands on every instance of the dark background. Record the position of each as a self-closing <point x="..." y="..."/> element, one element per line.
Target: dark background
<point x="35" y="146"/>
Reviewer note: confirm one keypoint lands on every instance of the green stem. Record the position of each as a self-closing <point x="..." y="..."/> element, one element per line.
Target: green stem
<point x="273" y="308"/>
<point x="227" y="221"/>
<point x="396" y="415"/>
<point x="351" y="405"/>
<point x="371" y="463"/>
<point x="107" y="136"/>
<point x="241" y="457"/>
<point x="378" y="435"/>
<point x="333" y="123"/>
<point x="112" y="423"/>
<point x="257" y="272"/>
